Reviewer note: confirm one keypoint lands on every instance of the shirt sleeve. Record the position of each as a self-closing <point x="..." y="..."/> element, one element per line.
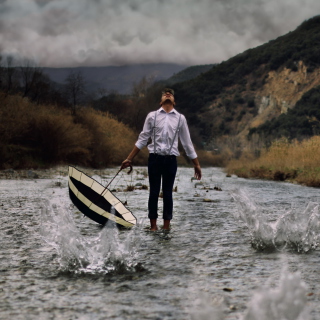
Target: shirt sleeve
<point x="185" y="139"/>
<point x="146" y="132"/>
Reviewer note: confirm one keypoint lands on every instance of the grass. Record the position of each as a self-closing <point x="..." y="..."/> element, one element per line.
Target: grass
<point x="283" y="161"/>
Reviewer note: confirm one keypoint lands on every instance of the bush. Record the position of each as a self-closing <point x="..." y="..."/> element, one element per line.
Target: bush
<point x="111" y="140"/>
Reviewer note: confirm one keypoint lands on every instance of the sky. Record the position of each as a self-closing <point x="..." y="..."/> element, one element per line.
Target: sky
<point x="69" y="33"/>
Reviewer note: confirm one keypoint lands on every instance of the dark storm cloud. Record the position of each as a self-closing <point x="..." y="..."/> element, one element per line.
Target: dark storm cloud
<point x="110" y="32"/>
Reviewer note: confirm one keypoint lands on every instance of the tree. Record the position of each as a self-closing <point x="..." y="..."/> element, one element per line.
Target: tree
<point x="30" y="74"/>
<point x="75" y="89"/>
<point x="8" y="75"/>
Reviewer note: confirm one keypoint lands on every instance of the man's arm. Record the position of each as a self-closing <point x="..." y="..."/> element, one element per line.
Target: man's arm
<point x="186" y="142"/>
<point x="142" y="141"/>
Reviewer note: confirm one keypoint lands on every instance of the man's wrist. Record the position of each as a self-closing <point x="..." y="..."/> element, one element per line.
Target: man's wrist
<point x="128" y="160"/>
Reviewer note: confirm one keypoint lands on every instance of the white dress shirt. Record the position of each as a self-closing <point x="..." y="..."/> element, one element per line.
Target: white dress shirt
<point x="165" y="131"/>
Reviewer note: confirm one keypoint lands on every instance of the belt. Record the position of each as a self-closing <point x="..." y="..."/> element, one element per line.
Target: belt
<point x="169" y="156"/>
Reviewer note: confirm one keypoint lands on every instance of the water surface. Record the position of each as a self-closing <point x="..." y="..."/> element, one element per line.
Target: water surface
<point x="249" y="251"/>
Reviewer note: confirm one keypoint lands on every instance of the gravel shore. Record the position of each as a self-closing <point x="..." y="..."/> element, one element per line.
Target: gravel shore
<point x="44" y="173"/>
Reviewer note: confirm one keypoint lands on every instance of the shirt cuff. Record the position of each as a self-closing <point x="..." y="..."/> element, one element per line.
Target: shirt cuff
<point x="139" y="145"/>
<point x="192" y="155"/>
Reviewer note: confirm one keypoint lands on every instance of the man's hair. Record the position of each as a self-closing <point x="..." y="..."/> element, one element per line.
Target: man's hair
<point x="165" y="90"/>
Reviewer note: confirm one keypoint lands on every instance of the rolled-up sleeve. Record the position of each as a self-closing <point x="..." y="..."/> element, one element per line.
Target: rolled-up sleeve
<point x="146" y="132"/>
<point x="184" y="135"/>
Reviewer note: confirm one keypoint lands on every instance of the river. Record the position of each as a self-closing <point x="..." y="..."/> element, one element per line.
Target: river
<point x="237" y="249"/>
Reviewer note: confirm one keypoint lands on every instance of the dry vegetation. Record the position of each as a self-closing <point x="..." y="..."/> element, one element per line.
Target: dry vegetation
<point x="39" y="136"/>
<point x="295" y="161"/>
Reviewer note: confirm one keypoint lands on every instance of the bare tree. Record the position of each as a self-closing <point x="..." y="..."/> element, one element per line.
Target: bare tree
<point x="139" y="106"/>
<point x="8" y="75"/>
<point x="30" y="74"/>
<point x="75" y="89"/>
<point x="41" y="88"/>
<point x="139" y="89"/>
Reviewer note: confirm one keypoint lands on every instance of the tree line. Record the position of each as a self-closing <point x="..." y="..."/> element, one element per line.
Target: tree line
<point x="28" y="80"/>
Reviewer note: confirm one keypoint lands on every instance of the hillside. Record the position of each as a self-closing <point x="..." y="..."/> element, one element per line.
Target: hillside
<point x="255" y="86"/>
<point x="188" y="74"/>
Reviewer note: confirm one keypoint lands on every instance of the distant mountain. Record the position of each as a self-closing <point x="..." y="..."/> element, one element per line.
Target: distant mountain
<point x="116" y="78"/>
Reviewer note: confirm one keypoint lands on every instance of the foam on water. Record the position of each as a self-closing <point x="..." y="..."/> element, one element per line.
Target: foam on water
<point x="295" y="230"/>
<point x="83" y="254"/>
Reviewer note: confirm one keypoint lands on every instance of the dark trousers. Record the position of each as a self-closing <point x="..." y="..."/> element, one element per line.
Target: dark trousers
<point x="161" y="168"/>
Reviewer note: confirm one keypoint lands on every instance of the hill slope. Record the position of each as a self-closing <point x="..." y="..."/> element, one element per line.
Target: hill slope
<point x="188" y="74"/>
<point x="254" y="86"/>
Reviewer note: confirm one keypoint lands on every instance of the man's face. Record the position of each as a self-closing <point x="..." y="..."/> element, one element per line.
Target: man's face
<point x="167" y="96"/>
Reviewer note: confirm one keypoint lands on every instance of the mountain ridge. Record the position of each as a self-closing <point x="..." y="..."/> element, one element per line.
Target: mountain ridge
<point x="116" y="78"/>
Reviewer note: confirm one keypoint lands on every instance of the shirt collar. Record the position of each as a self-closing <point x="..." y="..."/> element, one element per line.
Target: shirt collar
<point x="172" y="111"/>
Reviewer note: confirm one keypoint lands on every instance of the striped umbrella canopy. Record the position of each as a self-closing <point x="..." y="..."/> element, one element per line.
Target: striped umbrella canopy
<point x="96" y="201"/>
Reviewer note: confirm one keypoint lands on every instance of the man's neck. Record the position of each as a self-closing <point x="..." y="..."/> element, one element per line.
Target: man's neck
<point x="167" y="107"/>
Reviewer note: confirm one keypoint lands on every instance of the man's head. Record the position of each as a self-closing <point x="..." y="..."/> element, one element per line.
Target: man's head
<point x="167" y="96"/>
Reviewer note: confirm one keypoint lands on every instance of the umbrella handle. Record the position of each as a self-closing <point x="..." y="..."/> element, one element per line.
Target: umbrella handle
<point x="112" y="180"/>
<point x="122" y="167"/>
<point x="115" y="176"/>
<point x="130" y="166"/>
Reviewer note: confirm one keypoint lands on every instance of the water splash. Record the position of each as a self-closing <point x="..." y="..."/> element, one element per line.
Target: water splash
<point x="205" y="308"/>
<point x="105" y="253"/>
<point x="298" y="231"/>
<point x="285" y="302"/>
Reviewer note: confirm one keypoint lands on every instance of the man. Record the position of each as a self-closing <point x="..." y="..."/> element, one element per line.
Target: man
<point x="164" y="127"/>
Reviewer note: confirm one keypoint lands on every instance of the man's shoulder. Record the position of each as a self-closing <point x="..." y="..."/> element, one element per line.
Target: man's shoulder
<point x="152" y="113"/>
<point x="180" y="114"/>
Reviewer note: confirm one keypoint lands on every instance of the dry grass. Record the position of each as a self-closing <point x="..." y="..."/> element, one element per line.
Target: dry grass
<point x="111" y="140"/>
<point x="39" y="136"/>
<point x="296" y="161"/>
<point x="209" y="159"/>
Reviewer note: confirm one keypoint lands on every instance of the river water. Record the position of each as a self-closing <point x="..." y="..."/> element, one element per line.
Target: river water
<point x="237" y="249"/>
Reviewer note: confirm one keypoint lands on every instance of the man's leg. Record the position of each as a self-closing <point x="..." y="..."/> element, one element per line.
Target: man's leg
<point x="169" y="174"/>
<point x="154" y="173"/>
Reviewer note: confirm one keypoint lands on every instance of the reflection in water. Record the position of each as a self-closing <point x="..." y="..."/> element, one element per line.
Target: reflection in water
<point x="294" y="230"/>
<point x="83" y="254"/>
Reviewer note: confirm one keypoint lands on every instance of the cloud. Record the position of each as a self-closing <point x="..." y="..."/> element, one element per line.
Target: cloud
<point x="113" y="32"/>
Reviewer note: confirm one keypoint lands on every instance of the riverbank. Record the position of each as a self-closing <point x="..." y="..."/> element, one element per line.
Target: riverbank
<point x="296" y="162"/>
<point x="48" y="173"/>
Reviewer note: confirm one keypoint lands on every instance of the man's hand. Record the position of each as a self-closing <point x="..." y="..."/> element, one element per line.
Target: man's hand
<point x="197" y="169"/>
<point x="197" y="172"/>
<point x="125" y="164"/>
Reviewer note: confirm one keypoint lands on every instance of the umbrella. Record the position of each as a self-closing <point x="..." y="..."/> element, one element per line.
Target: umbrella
<point x="96" y="201"/>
